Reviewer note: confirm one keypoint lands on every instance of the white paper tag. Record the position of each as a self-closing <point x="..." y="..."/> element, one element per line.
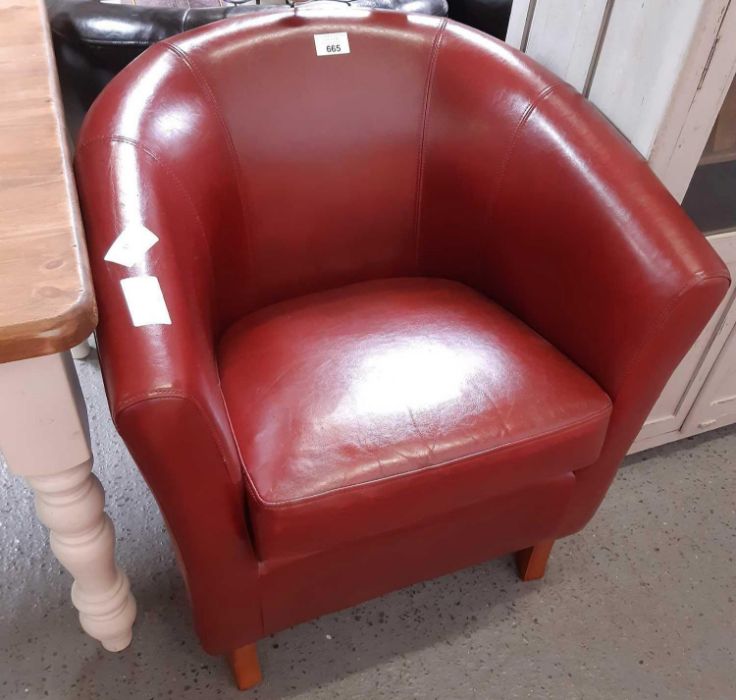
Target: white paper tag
<point x="331" y="44"/>
<point x="131" y="245"/>
<point x="145" y="301"/>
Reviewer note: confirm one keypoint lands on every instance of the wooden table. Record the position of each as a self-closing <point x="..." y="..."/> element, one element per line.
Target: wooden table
<point x="46" y="307"/>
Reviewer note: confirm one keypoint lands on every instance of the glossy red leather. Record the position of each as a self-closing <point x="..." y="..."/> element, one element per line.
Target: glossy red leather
<point x="381" y="405"/>
<point x="432" y="152"/>
<point x="297" y="589"/>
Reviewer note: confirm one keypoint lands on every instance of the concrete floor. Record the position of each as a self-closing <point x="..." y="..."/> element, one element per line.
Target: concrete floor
<point x="638" y="605"/>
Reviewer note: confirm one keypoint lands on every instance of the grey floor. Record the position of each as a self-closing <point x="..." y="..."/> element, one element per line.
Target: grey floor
<point x="638" y="605"/>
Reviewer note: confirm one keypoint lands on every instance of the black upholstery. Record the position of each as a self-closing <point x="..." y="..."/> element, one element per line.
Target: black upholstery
<point x="490" y="16"/>
<point x="93" y="41"/>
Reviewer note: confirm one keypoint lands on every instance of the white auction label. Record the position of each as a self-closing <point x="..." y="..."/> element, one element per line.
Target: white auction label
<point x="145" y="301"/>
<point x="131" y="245"/>
<point x="331" y="44"/>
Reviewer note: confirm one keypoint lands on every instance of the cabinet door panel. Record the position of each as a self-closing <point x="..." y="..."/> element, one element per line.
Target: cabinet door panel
<point x="680" y="393"/>
<point x="716" y="403"/>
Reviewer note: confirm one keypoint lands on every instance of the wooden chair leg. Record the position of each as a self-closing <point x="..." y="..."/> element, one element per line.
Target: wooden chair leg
<point x="246" y="669"/>
<point x="532" y="561"/>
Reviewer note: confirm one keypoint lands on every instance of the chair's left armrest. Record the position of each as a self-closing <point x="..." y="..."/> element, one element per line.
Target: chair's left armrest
<point x="163" y="386"/>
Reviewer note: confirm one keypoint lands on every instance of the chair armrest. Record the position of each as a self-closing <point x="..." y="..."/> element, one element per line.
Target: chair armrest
<point x="543" y="206"/>
<point x="592" y="250"/>
<point x="163" y="386"/>
<point x="593" y="253"/>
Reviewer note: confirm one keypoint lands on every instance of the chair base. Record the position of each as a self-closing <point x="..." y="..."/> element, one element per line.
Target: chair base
<point x="244" y="664"/>
<point x="531" y="562"/>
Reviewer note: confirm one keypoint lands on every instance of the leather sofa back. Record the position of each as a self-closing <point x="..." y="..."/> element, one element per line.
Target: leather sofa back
<point x="93" y="41"/>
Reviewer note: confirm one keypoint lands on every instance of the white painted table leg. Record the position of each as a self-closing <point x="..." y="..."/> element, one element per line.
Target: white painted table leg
<point x="44" y="438"/>
<point x="82" y="351"/>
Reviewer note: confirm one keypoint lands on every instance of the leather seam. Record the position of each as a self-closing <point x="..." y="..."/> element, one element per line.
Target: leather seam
<point x="699" y="278"/>
<point x="570" y="427"/>
<point x="428" y="85"/>
<point x="162" y="164"/>
<point x="142" y="398"/>
<point x="250" y="485"/>
<point x="204" y="415"/>
<point x="530" y="109"/>
<point x="234" y="161"/>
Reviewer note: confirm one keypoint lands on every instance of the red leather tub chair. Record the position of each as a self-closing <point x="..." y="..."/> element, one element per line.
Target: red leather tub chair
<point x="422" y="297"/>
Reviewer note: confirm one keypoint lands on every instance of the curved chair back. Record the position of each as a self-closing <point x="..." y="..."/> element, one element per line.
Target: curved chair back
<point x="311" y="171"/>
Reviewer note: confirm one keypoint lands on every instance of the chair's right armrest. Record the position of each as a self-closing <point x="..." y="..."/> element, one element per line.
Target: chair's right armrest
<point x="162" y="381"/>
<point x="592" y="252"/>
<point x="543" y="206"/>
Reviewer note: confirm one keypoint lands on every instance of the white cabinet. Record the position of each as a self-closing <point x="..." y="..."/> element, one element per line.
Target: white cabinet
<point x="701" y="394"/>
<point x="678" y="396"/>
<point x="716" y="403"/>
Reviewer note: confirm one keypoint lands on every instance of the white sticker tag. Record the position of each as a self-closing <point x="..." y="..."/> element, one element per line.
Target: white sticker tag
<point x="331" y="44"/>
<point x="145" y="301"/>
<point x="130" y="246"/>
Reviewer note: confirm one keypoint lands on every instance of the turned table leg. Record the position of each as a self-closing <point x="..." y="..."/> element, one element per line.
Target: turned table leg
<point x="44" y="438"/>
<point x="81" y="351"/>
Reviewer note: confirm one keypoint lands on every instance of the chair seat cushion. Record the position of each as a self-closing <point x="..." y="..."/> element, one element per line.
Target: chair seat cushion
<point x="381" y="405"/>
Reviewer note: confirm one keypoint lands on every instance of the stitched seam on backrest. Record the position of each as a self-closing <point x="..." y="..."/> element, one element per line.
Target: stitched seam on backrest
<point x="434" y="53"/>
<point x="531" y="107"/>
<point x="234" y="160"/>
<point x="204" y="414"/>
<point x="157" y="160"/>
<point x="177" y="181"/>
